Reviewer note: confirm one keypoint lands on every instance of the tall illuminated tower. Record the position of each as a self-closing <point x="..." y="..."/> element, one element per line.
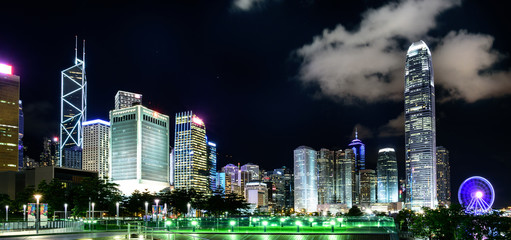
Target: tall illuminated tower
<point x="359" y="150"/>
<point x="125" y="99"/>
<point x="9" y="118"/>
<point x="306" y="179"/>
<point x="326" y="185"/>
<point x="190" y="153"/>
<point x="212" y="165"/>
<point x="443" y="174"/>
<point x="420" y="139"/>
<point x="73" y="107"/>
<point x="95" y="153"/>
<point x="139" y="149"/>
<point x="386" y="170"/>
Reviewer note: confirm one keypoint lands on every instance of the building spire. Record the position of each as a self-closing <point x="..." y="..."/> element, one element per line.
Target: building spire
<point x="356" y="133"/>
<point x="76" y="49"/>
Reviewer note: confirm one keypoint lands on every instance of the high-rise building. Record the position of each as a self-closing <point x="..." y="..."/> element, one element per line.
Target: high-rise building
<point x="306" y="185"/>
<point x="20" y="137"/>
<point x="257" y="194"/>
<point x="367" y="186"/>
<point x="386" y="170"/>
<point x="420" y="138"/>
<point x="190" y="153"/>
<point x="73" y="156"/>
<point x="73" y="109"/>
<point x="212" y="165"/>
<point x="443" y="174"/>
<point x="254" y="174"/>
<point x="95" y="152"/>
<point x="171" y="166"/>
<point x="49" y="156"/>
<point x="125" y="99"/>
<point x="281" y="180"/>
<point x="345" y="179"/>
<point x="326" y="169"/>
<point x="139" y="145"/>
<point x="359" y="150"/>
<point x="9" y="118"/>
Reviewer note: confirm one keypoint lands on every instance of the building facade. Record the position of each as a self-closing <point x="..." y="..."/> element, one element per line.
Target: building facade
<point x="345" y="177"/>
<point x="326" y="169"/>
<point x="125" y="99"/>
<point x="21" y="132"/>
<point x="212" y="165"/>
<point x="9" y="118"/>
<point x="253" y="171"/>
<point x="190" y="153"/>
<point x="139" y="158"/>
<point x="443" y="174"/>
<point x="95" y="152"/>
<point x="305" y="180"/>
<point x="386" y="170"/>
<point x="420" y="133"/>
<point x="367" y="186"/>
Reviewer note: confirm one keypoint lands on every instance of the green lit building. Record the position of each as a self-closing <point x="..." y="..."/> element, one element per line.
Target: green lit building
<point x="190" y="153"/>
<point x="139" y="140"/>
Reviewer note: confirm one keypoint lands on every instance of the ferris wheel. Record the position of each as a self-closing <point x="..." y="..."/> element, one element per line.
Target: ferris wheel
<point x="477" y="195"/>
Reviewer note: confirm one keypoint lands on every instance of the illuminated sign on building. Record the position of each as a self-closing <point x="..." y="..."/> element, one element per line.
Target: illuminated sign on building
<point x="197" y="121"/>
<point x="4" y="68"/>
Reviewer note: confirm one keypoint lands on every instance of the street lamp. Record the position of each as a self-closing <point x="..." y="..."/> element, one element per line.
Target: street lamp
<point x="194" y="223"/>
<point x="265" y="223"/>
<point x="157" y="213"/>
<point x="117" y="215"/>
<point x="188" y="209"/>
<point x="332" y="223"/>
<point x="146" y="204"/>
<point x="232" y="223"/>
<point x="93" y="204"/>
<point x="298" y="224"/>
<point x="37" y="197"/>
<point x="282" y="222"/>
<point x="65" y="211"/>
<point x="6" y="213"/>
<point x="24" y="212"/>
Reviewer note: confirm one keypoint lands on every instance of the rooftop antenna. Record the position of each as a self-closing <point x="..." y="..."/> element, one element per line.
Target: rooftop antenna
<point x="356" y="133"/>
<point x="83" y="58"/>
<point x="76" y="48"/>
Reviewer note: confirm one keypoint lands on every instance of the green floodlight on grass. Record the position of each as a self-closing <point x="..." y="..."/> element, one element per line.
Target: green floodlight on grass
<point x="168" y="223"/>
<point x="332" y="224"/>
<point x="232" y="223"/>
<point x="265" y="223"/>
<point x="298" y="224"/>
<point x="194" y="224"/>
<point x="340" y="220"/>
<point x="311" y="220"/>
<point x="282" y="220"/>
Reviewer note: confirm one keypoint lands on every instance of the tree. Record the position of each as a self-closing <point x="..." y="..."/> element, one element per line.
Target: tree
<point x="354" y="211"/>
<point x="104" y="194"/>
<point x="135" y="204"/>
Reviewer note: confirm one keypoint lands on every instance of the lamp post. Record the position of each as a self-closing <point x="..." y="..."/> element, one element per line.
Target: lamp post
<point x="65" y="211"/>
<point x="117" y="215"/>
<point x="37" y="197"/>
<point x="6" y="213"/>
<point x="232" y="223"/>
<point x="24" y="212"/>
<point x="92" y="216"/>
<point x="265" y="223"/>
<point x="298" y="224"/>
<point x="188" y="205"/>
<point x="146" y="204"/>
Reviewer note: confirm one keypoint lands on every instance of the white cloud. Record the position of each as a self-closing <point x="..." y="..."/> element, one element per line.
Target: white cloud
<point x="395" y="127"/>
<point x="246" y="5"/>
<point x="363" y="132"/>
<point x="367" y="63"/>
<point x="462" y="63"/>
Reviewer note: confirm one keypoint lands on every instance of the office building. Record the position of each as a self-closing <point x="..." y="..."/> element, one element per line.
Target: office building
<point x="443" y="174"/>
<point x="125" y="99"/>
<point x="212" y="165"/>
<point x="171" y="166"/>
<point x="367" y="186"/>
<point x="73" y="110"/>
<point x="49" y="155"/>
<point x="256" y="194"/>
<point x="281" y="190"/>
<point x="190" y="153"/>
<point x="305" y="182"/>
<point x="139" y="140"/>
<point x="20" y="136"/>
<point x="420" y="138"/>
<point x="95" y="152"/>
<point x="253" y="170"/>
<point x="9" y="118"/>
<point x="359" y="150"/>
<point x="326" y="185"/>
<point x="386" y="170"/>
<point x="345" y="179"/>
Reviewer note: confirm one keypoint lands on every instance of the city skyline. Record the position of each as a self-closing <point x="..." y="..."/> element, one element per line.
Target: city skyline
<point x="245" y="68"/>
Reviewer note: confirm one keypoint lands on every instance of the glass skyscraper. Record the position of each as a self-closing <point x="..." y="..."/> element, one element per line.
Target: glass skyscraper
<point x="139" y="140"/>
<point x="326" y="185"/>
<point x="345" y="177"/>
<point x="190" y="154"/>
<point x="420" y="139"/>
<point x="9" y="118"/>
<point x="306" y="185"/>
<point x="367" y="186"/>
<point x="443" y="174"/>
<point x="212" y="165"/>
<point x="386" y="170"/>
<point x="359" y="150"/>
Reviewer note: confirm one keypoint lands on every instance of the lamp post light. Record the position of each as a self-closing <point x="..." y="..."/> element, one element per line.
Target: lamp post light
<point x="92" y="215"/>
<point x="188" y="205"/>
<point x="157" y="213"/>
<point x="311" y="220"/>
<point x="24" y="212"/>
<point x="6" y="213"/>
<point x="37" y="197"/>
<point x="332" y="223"/>
<point x="298" y="224"/>
<point x="145" y="216"/>
<point x="117" y="211"/>
<point x="232" y="223"/>
<point x="194" y="223"/>
<point x="265" y="223"/>
<point x="65" y="211"/>
<point x="282" y="222"/>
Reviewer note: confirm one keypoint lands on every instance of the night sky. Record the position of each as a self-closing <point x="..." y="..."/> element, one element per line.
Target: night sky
<point x="268" y="76"/>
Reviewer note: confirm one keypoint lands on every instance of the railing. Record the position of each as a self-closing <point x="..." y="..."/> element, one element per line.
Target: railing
<point x="29" y="227"/>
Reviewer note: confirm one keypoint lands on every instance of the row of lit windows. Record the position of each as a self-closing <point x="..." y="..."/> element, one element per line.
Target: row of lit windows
<point x="125" y="118"/>
<point x="155" y="121"/>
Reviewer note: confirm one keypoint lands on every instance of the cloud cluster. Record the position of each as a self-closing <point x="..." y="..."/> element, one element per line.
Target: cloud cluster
<point x="246" y="5"/>
<point x="367" y="64"/>
<point x="395" y="127"/>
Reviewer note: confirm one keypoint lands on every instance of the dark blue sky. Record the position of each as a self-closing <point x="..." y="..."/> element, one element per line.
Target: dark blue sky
<point x="242" y="72"/>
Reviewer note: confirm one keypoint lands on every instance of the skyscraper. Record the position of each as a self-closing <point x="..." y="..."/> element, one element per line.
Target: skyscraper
<point x="443" y="174"/>
<point x="139" y="140"/>
<point x="386" y="170"/>
<point x="359" y="150"/>
<point x="9" y="118"/>
<point x="190" y="156"/>
<point x="20" y="137"/>
<point x="306" y="185"/>
<point x="367" y="186"/>
<point x="212" y="165"/>
<point x="125" y="99"/>
<point x="73" y="108"/>
<point x="326" y="186"/>
<point x="95" y="153"/>
<point x="345" y="186"/>
<point x="420" y="139"/>
<point x="253" y="170"/>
